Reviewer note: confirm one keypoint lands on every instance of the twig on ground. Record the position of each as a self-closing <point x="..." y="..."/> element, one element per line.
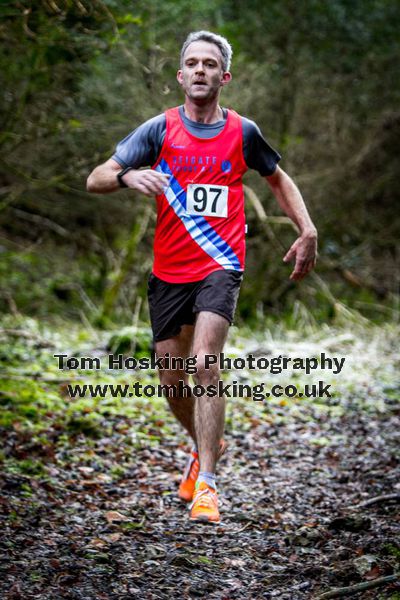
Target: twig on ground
<point x="240" y="530"/>
<point x="377" y="500"/>
<point x="359" y="587"/>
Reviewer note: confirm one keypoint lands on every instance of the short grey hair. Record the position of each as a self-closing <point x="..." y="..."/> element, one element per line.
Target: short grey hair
<point x="206" y="36"/>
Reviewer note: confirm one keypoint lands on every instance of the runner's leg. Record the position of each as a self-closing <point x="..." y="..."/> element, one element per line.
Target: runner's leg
<point x="210" y="334"/>
<point x="179" y="346"/>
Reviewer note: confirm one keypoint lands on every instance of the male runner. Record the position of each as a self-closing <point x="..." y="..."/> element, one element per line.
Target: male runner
<point x="197" y="154"/>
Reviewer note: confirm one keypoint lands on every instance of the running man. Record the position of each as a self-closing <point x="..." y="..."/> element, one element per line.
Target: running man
<point x="197" y="154"/>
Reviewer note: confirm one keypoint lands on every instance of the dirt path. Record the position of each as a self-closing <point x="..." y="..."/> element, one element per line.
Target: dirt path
<point x="105" y="521"/>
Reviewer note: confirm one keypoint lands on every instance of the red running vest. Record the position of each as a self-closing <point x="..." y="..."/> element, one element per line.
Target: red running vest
<point x="200" y="216"/>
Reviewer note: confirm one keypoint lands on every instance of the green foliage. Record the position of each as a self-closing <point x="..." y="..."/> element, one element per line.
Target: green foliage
<point x="320" y="78"/>
<point x="393" y="550"/>
<point x="24" y="401"/>
<point x="131" y="339"/>
<point x="89" y="425"/>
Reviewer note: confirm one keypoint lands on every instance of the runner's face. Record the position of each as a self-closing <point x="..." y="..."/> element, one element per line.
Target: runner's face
<point x="202" y="76"/>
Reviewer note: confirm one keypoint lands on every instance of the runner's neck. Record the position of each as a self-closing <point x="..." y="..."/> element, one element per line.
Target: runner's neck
<point x="203" y="114"/>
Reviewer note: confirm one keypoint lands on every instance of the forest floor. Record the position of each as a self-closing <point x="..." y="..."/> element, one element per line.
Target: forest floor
<point x="88" y="488"/>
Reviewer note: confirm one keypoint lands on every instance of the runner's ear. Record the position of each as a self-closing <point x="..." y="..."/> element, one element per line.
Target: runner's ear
<point x="226" y="78"/>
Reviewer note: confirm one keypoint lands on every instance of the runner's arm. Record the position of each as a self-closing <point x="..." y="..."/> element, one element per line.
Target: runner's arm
<point x="304" y="249"/>
<point x="137" y="150"/>
<point x="103" y="179"/>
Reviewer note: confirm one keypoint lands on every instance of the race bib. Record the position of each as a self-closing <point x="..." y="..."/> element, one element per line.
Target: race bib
<point x="207" y="200"/>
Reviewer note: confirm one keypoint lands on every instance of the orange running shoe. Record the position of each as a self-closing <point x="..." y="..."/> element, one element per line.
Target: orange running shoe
<point x="191" y="472"/>
<point x="204" y="508"/>
<point x="189" y="477"/>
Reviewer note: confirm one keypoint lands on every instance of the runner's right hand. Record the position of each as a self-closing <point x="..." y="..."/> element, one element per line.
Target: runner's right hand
<point x="147" y="181"/>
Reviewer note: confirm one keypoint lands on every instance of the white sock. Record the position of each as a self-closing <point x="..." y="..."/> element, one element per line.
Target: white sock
<point x="208" y="478"/>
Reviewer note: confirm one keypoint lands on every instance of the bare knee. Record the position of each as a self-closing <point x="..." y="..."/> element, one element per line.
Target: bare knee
<point x="175" y="384"/>
<point x="172" y="377"/>
<point x="206" y="374"/>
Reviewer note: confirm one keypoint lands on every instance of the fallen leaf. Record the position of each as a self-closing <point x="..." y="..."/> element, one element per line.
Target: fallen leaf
<point x="374" y="573"/>
<point x="113" y="537"/>
<point x="86" y="470"/>
<point x="113" y="516"/>
<point x="97" y="543"/>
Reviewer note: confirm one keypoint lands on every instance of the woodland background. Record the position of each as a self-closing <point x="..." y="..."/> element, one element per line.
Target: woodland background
<point x="321" y="80"/>
<point x="308" y="487"/>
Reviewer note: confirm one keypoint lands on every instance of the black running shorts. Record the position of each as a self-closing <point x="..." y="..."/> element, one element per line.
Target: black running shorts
<point x="175" y="304"/>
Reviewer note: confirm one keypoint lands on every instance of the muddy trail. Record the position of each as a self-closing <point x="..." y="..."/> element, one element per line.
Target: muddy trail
<point x="291" y="527"/>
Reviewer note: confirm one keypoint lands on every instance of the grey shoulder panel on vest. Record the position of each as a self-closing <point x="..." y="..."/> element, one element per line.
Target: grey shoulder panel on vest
<point x="143" y="145"/>
<point x="258" y="154"/>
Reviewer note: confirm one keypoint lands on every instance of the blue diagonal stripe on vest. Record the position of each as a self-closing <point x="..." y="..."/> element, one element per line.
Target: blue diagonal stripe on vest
<point x="197" y="226"/>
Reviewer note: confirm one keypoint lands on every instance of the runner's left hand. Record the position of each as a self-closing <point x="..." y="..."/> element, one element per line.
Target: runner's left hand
<point x="304" y="251"/>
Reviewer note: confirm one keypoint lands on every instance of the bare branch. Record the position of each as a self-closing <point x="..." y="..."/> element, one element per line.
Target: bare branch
<point x="359" y="587"/>
<point x="377" y="500"/>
